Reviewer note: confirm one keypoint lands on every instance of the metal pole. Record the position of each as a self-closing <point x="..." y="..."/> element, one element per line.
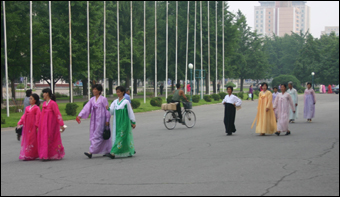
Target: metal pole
<point x="195" y="50"/>
<point x="88" y="52"/>
<point x="313" y="81"/>
<point x="186" y="59"/>
<point x="223" y="80"/>
<point x="118" y="62"/>
<point x="216" y="44"/>
<point x="176" y="42"/>
<point x="201" y="75"/>
<point x="190" y="85"/>
<point x="166" y="56"/>
<point x="131" y="50"/>
<point x="155" y="48"/>
<point x="31" y="48"/>
<point x="144" y="58"/>
<point x="70" y="42"/>
<point x="208" y="84"/>
<point x="104" y="48"/>
<point x="6" y="63"/>
<point x="51" y="60"/>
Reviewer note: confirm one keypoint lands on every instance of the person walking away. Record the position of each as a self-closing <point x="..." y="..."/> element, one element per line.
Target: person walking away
<point x="265" y="118"/>
<point x="294" y="94"/>
<point x="282" y="103"/>
<point x="330" y="91"/>
<point x="30" y="121"/>
<point x="251" y="93"/>
<point x="230" y="103"/>
<point x="161" y="89"/>
<point x="218" y="87"/>
<point x="123" y="122"/>
<point x="50" y="145"/>
<point x="188" y="88"/>
<point x="275" y="93"/>
<point x="178" y="94"/>
<point x="19" y="130"/>
<point x="127" y="95"/>
<point x="100" y="119"/>
<point x="310" y="100"/>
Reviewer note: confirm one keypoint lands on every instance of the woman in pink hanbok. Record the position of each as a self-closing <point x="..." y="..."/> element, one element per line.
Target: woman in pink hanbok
<point x="275" y="93"/>
<point x="100" y="118"/>
<point x="30" y="122"/>
<point x="282" y="103"/>
<point x="50" y="146"/>
<point x="310" y="100"/>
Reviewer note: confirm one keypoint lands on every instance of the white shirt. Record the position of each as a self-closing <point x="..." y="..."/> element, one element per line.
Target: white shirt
<point x="232" y="99"/>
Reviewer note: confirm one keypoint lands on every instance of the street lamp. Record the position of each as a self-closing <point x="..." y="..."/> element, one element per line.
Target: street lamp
<point x="313" y="73"/>
<point x="190" y="67"/>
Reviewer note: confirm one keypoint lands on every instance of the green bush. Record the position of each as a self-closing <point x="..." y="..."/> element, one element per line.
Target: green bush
<point x="257" y="93"/>
<point x="41" y="95"/>
<point x="222" y="95"/>
<point x="235" y="94"/>
<point x="156" y="101"/>
<point x="84" y="103"/>
<point x="216" y="97"/>
<point x="169" y="99"/>
<point x="207" y="98"/>
<point x="240" y="95"/>
<point x="230" y="84"/>
<point x="71" y="109"/>
<point x="196" y="98"/>
<point x="3" y="121"/>
<point x="284" y="79"/>
<point x="20" y="86"/>
<point x="135" y="103"/>
<point x="59" y="95"/>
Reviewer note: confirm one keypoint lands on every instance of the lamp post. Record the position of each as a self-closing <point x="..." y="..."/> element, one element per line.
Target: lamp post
<point x="313" y="73"/>
<point x="190" y="67"/>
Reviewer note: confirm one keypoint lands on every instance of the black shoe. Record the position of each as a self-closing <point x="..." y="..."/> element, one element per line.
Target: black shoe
<point x="278" y="133"/>
<point x="112" y="156"/>
<point x="288" y="133"/>
<point x="228" y="134"/>
<point x="106" y="155"/>
<point x="135" y="152"/>
<point x="18" y="137"/>
<point x="88" y="154"/>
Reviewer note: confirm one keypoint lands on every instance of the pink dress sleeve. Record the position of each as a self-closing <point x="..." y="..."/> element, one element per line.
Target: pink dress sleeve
<point x="37" y="116"/>
<point x="22" y="119"/>
<point x="85" y="112"/>
<point x="57" y="113"/>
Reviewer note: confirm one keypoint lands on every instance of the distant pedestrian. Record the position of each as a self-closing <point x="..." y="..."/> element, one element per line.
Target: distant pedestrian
<point x="218" y="87"/>
<point x="275" y="93"/>
<point x="127" y="95"/>
<point x="188" y="88"/>
<point x="27" y="99"/>
<point x="294" y="94"/>
<point x="310" y="100"/>
<point x="230" y="103"/>
<point x="100" y="119"/>
<point x="51" y="124"/>
<point x="265" y="118"/>
<point x="30" y="120"/>
<point x="161" y="89"/>
<point x="123" y="122"/>
<point x="282" y="104"/>
<point x="330" y="91"/>
<point x="251" y="93"/>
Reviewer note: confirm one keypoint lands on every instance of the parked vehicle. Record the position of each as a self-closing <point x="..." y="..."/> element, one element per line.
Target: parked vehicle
<point x="336" y="89"/>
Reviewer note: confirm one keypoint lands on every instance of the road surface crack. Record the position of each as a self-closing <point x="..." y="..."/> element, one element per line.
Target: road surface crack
<point x="278" y="182"/>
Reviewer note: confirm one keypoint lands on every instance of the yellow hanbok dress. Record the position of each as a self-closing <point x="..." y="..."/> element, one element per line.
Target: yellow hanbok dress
<point x="265" y="121"/>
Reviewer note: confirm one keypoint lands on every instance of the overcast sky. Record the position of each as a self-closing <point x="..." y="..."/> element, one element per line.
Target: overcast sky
<point x="323" y="13"/>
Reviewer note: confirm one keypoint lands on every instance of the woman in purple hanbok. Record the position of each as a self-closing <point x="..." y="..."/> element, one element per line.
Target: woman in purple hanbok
<point x="100" y="118"/>
<point x="310" y="100"/>
<point x="282" y="104"/>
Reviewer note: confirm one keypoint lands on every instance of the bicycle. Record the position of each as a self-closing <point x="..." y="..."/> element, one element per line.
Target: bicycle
<point x="171" y="118"/>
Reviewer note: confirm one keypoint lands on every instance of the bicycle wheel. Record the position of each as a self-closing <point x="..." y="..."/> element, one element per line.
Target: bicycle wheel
<point x="170" y="120"/>
<point x="189" y="119"/>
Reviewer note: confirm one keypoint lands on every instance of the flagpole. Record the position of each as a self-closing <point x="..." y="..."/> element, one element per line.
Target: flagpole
<point x="195" y="51"/>
<point x="51" y="60"/>
<point x="70" y="42"/>
<point x="6" y="63"/>
<point x="166" y="53"/>
<point x="208" y="84"/>
<point x="176" y="63"/>
<point x="118" y="61"/>
<point x="216" y="44"/>
<point x="201" y="51"/>
<point x="144" y="58"/>
<point x="156" y="49"/>
<point x="88" y="52"/>
<point x="31" y="48"/>
<point x="131" y="50"/>
<point x="223" y="80"/>
<point x="104" y="48"/>
<point x="186" y="59"/>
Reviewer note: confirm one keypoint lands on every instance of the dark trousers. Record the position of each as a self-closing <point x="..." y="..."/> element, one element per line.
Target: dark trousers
<point x="229" y="118"/>
<point x="179" y="110"/>
<point x="161" y="90"/>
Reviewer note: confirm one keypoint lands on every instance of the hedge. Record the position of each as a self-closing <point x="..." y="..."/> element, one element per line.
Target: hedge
<point x="222" y="95"/>
<point x="216" y="97"/>
<point x="135" y="103"/>
<point x="156" y="102"/>
<point x="284" y="79"/>
<point x="207" y="98"/>
<point x="196" y="98"/>
<point x="71" y="109"/>
<point x="169" y="99"/>
<point x="240" y="95"/>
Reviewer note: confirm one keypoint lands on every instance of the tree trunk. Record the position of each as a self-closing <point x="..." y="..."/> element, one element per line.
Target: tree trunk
<point x="2" y="98"/>
<point x="214" y="86"/>
<point x="241" y="88"/>
<point x="207" y="84"/>
<point x="85" y="89"/>
<point x="13" y="89"/>
<point x="135" y="86"/>
<point x="173" y="85"/>
<point x="127" y="82"/>
<point x="110" y="86"/>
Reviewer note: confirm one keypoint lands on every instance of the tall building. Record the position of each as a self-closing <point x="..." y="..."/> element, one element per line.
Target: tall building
<point x="329" y="29"/>
<point x="281" y="17"/>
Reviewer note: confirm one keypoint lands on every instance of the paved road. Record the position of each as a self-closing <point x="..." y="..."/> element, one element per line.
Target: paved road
<point x="199" y="161"/>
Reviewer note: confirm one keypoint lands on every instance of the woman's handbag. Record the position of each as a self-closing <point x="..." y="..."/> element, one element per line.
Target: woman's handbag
<point x="107" y="131"/>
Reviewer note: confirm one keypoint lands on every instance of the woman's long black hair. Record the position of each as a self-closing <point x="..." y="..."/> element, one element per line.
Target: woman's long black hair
<point x="36" y="98"/>
<point x="48" y="90"/>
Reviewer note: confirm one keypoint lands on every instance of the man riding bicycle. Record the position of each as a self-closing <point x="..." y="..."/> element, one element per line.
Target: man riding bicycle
<point x="178" y="94"/>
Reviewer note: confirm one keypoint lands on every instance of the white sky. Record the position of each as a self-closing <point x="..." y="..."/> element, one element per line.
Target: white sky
<point x="323" y="13"/>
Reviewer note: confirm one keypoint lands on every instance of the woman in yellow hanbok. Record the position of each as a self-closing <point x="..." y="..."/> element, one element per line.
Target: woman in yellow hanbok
<point x="265" y="118"/>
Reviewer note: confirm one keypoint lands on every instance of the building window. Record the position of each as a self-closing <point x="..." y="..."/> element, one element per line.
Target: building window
<point x="261" y="26"/>
<point x="261" y="30"/>
<point x="297" y="25"/>
<point x="269" y="12"/>
<point x="268" y="29"/>
<point x="257" y="12"/>
<point x="269" y="21"/>
<point x="297" y="21"/>
<point x="257" y="25"/>
<point x="261" y="21"/>
<point x="261" y="12"/>
<point x="257" y="16"/>
<point x="297" y="29"/>
<point x="261" y="16"/>
<point x="269" y="16"/>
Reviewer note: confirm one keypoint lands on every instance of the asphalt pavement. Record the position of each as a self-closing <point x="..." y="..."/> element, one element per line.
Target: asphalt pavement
<point x="198" y="161"/>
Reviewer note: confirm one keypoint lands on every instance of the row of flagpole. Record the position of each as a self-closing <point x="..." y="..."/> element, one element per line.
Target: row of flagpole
<point x="118" y="63"/>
